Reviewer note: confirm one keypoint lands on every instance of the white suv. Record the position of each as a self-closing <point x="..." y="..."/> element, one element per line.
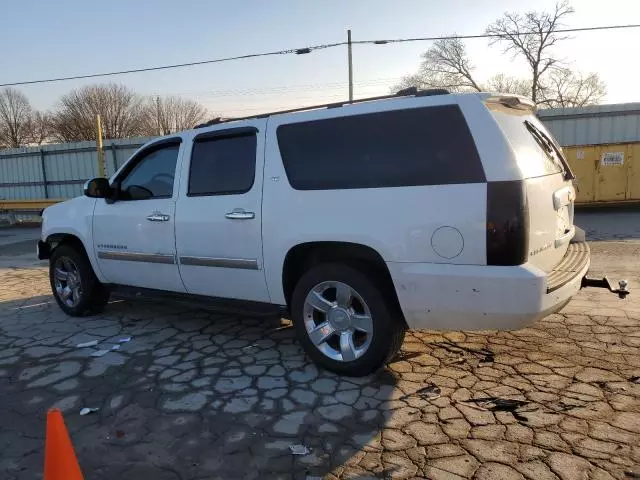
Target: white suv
<point x="424" y="210"/>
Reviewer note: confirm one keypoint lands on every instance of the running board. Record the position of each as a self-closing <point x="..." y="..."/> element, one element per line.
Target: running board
<point x="604" y="282"/>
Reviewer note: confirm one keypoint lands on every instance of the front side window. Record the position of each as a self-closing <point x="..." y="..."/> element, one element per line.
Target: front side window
<point x="152" y="175"/>
<point x="223" y="165"/>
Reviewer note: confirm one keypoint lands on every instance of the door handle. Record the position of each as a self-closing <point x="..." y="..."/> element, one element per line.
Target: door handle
<point x="158" y="217"/>
<point x="240" y="214"/>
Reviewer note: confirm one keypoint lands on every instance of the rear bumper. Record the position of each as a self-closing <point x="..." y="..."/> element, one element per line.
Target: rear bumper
<point x="577" y="256"/>
<point x="469" y="297"/>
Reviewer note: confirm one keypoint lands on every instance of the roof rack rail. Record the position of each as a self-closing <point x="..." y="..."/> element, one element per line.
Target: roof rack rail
<point x="411" y="91"/>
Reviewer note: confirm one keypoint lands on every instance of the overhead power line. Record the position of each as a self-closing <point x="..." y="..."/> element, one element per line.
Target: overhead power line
<point x="177" y="65"/>
<point x="300" y="51"/>
<point x="492" y="35"/>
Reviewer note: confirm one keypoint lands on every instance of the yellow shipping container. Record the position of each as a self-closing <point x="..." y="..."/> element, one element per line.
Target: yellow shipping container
<point x="606" y="173"/>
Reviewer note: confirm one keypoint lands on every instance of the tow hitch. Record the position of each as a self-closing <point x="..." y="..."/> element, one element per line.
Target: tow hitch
<point x="604" y="282"/>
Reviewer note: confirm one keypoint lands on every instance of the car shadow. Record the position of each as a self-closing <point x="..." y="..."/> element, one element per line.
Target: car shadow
<point x="182" y="391"/>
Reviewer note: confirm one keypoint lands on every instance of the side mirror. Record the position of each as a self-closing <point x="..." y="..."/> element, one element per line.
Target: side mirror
<point x="98" y="188"/>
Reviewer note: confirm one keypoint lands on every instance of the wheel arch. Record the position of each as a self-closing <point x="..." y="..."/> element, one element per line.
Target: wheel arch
<point x="56" y="239"/>
<point x="303" y="256"/>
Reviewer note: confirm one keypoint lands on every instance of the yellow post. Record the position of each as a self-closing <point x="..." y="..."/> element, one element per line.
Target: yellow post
<point x="102" y="168"/>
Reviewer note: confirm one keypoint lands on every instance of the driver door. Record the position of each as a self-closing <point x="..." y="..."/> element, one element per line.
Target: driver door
<point x="134" y="236"/>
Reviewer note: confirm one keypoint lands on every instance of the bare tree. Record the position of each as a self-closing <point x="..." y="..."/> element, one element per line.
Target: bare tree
<point x="41" y="128"/>
<point x="15" y="118"/>
<point x="120" y="110"/>
<point x="564" y="88"/>
<point x="532" y="36"/>
<point x="502" y="83"/>
<point x="444" y="65"/>
<point x="163" y="116"/>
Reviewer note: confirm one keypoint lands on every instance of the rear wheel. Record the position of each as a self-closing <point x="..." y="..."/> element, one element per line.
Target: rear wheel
<point x="344" y="320"/>
<point x="74" y="285"/>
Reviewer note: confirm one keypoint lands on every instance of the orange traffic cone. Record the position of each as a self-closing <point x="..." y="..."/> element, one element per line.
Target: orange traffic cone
<point x="60" y="461"/>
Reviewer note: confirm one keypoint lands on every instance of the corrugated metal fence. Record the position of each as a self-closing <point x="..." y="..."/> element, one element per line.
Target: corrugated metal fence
<point x="594" y="125"/>
<point x="58" y="170"/>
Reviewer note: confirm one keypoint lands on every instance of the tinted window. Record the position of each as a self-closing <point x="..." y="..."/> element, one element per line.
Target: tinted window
<point x="422" y="146"/>
<point x="152" y="176"/>
<point x="223" y="165"/>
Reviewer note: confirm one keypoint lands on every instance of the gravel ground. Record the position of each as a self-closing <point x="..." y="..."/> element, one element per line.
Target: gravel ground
<point x="198" y="394"/>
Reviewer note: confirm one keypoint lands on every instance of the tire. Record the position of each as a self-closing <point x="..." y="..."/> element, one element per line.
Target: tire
<point x="364" y="354"/>
<point x="90" y="297"/>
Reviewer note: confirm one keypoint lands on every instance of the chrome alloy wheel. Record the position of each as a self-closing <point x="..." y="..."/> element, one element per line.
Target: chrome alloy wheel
<point x="338" y="321"/>
<point x="67" y="281"/>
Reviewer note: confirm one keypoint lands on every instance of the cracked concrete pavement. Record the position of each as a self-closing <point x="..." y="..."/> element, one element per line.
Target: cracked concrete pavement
<point x="199" y="394"/>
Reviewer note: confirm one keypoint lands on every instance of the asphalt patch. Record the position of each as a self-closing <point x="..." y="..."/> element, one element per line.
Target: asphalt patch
<point x="19" y="248"/>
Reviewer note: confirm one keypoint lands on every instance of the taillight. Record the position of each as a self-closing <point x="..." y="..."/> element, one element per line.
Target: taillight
<point x="507" y="223"/>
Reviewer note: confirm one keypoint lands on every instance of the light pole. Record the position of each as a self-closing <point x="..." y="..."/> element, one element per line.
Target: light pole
<point x="350" y="65"/>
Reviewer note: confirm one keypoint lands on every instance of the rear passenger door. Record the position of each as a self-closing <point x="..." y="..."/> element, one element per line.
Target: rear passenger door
<point x="402" y="177"/>
<point x="218" y="213"/>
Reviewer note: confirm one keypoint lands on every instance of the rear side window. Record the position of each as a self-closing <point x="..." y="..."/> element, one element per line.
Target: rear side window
<point x="222" y="165"/>
<point x="530" y="153"/>
<point x="420" y="146"/>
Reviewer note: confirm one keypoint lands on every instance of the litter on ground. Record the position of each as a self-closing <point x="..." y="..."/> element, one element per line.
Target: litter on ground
<point x="430" y="392"/>
<point x="87" y="411"/>
<point x="100" y="353"/>
<point x="299" y="449"/>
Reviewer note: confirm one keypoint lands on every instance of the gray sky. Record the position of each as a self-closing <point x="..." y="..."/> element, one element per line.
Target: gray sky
<point x="44" y="39"/>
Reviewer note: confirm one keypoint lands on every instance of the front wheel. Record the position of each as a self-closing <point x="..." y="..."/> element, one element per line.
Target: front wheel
<point x="74" y="285"/>
<point x="345" y="320"/>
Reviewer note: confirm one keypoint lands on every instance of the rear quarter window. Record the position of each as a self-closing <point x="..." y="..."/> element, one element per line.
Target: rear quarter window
<point x="420" y="146"/>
